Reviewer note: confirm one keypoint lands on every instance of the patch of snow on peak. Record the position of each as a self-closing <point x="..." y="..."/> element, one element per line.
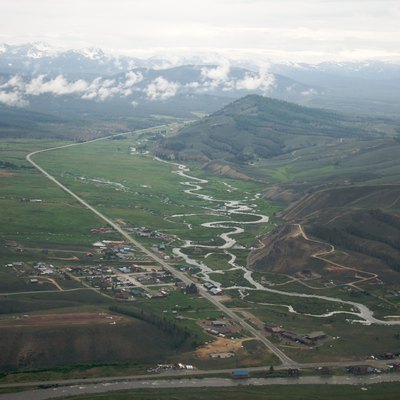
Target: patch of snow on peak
<point x="92" y="53"/>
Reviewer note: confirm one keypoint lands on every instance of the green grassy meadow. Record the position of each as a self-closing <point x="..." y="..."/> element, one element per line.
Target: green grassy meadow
<point x="56" y="219"/>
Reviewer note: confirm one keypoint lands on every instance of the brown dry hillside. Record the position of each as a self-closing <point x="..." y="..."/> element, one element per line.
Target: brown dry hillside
<point x="285" y="251"/>
<point x="361" y="222"/>
<point x="338" y="200"/>
<point x="223" y="169"/>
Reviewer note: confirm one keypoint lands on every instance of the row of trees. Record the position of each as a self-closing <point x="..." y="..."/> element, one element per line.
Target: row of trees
<point x="180" y="335"/>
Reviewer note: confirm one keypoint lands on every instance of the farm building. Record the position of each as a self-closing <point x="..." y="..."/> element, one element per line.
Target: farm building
<point x="218" y="323"/>
<point x="208" y="285"/>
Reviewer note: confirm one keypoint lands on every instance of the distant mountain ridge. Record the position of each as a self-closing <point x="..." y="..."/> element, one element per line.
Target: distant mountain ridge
<point x="39" y="58"/>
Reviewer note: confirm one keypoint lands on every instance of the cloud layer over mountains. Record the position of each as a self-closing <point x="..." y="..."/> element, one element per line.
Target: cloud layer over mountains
<point x="16" y="90"/>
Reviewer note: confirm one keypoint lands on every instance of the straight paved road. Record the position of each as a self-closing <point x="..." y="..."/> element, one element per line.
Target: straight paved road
<point x="53" y="393"/>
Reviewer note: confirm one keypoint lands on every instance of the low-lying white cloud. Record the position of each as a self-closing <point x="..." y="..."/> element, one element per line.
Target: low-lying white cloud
<point x="309" y="92"/>
<point x="161" y="89"/>
<point x="13" y="99"/>
<point x="263" y="81"/>
<point x="16" y="90"/>
<point x="193" y="85"/>
<point x="220" y="77"/>
<point x="218" y="73"/>
<point x="132" y="78"/>
<point x="58" y="86"/>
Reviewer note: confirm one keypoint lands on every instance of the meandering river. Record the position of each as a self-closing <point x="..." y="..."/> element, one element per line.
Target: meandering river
<point x="244" y="207"/>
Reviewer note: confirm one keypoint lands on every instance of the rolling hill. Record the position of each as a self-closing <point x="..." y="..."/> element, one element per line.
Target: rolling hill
<point x="258" y="127"/>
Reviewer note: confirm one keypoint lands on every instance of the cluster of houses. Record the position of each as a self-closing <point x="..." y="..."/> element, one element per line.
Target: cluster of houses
<point x="118" y="279"/>
<point x="310" y="339"/>
<point x="114" y="250"/>
<point x="158" y="276"/>
<point x="118" y="250"/>
<point x="214" y="290"/>
<point x="100" y="277"/>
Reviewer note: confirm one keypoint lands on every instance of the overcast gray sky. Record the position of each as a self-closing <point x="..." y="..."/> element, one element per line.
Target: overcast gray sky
<point x="298" y="30"/>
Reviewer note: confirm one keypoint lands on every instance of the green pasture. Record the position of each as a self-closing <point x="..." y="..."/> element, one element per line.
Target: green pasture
<point x="44" y="302"/>
<point x="300" y="304"/>
<point x="231" y="278"/>
<point x="176" y="303"/>
<point x="56" y="219"/>
<point x="217" y="261"/>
